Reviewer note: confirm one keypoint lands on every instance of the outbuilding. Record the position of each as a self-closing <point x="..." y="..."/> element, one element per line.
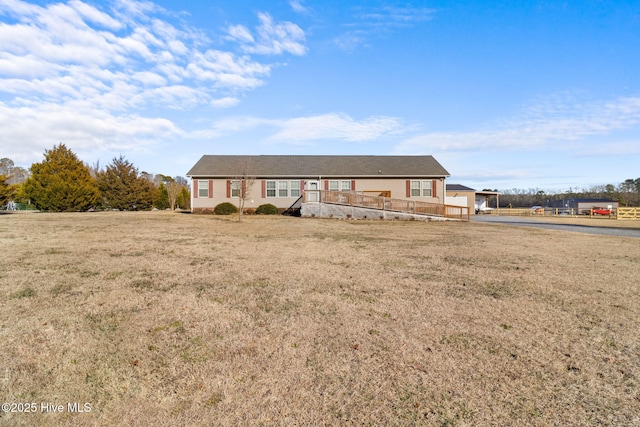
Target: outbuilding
<point x="584" y="206"/>
<point x="476" y="201"/>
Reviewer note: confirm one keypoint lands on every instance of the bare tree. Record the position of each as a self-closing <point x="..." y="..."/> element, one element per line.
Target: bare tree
<point x="241" y="186"/>
<point x="173" y="191"/>
<point x="13" y="174"/>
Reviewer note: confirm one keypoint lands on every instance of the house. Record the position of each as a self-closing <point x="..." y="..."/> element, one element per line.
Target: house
<point x="476" y="201"/>
<point x="282" y="180"/>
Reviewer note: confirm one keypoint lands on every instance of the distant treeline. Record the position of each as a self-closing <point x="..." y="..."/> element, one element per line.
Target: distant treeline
<point x="627" y="193"/>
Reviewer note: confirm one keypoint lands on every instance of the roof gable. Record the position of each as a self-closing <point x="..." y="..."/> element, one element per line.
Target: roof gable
<point x="318" y="166"/>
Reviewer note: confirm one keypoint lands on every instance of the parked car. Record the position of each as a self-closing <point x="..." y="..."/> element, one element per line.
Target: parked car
<point x="602" y="211"/>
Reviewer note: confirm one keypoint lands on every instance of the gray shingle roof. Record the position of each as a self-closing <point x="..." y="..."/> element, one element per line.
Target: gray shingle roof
<point x="318" y="166"/>
<point x="458" y="187"/>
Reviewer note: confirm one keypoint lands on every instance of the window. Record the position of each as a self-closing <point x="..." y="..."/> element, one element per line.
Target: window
<point x="235" y="188"/>
<point x="283" y="189"/>
<point x="426" y="188"/>
<point x="295" y="189"/>
<point x="271" y="189"/>
<point x="203" y="188"/>
<point x="415" y="188"/>
<point x="421" y="188"/>
<point x="340" y="185"/>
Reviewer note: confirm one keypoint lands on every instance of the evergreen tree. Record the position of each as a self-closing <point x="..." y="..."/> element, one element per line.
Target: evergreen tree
<point x="161" y="197"/>
<point x="184" y="199"/>
<point x="61" y="183"/>
<point x="123" y="188"/>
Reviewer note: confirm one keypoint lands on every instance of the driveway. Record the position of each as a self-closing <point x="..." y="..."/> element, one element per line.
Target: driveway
<point x="578" y="228"/>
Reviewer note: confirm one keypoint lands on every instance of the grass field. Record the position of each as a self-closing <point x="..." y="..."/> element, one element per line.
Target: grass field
<point x="164" y="319"/>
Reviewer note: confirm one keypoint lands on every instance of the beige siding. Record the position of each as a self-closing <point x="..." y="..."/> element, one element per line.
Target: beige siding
<point x="396" y="186"/>
<point x="471" y="198"/>
<point x="254" y="196"/>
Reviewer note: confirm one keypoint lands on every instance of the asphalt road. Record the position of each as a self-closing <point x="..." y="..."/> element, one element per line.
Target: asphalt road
<point x="578" y="228"/>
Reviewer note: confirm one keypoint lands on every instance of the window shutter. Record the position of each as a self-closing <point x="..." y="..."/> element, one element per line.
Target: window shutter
<point x="211" y="189"/>
<point x="353" y="185"/>
<point x="244" y="188"/>
<point x="434" y="186"/>
<point x="228" y="188"/>
<point x="194" y="188"/>
<point x="326" y="185"/>
<point x="408" y="188"/>
<point x="264" y="188"/>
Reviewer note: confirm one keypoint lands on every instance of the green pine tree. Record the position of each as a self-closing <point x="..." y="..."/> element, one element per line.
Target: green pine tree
<point x="161" y="197"/>
<point x="184" y="199"/>
<point x="123" y="188"/>
<point x="61" y="183"/>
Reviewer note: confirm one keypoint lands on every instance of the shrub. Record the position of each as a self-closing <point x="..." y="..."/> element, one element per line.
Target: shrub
<point x="267" y="209"/>
<point x="225" y="208"/>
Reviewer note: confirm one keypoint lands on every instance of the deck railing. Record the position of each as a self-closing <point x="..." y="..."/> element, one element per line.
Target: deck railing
<point x="358" y="199"/>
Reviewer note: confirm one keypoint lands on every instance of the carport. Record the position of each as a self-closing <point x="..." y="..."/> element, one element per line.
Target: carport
<point x="482" y="200"/>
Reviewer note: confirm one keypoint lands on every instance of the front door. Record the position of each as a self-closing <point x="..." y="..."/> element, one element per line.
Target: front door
<point x="312" y="191"/>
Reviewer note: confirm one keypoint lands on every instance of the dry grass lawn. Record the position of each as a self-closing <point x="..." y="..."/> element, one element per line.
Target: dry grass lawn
<point x="164" y="319"/>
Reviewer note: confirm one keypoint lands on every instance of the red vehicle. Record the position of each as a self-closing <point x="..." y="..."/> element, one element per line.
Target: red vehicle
<point x="601" y="211"/>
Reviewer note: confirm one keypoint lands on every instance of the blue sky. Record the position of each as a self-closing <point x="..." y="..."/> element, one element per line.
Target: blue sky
<point x="538" y="94"/>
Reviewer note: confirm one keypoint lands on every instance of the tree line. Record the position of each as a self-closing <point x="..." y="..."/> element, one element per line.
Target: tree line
<point x="63" y="183"/>
<point x="627" y="193"/>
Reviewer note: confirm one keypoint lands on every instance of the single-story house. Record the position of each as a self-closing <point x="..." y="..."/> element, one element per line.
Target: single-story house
<point x="282" y="179"/>
<point x="476" y="201"/>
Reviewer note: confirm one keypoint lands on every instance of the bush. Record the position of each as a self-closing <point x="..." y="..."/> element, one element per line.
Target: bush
<point x="267" y="209"/>
<point x="225" y="208"/>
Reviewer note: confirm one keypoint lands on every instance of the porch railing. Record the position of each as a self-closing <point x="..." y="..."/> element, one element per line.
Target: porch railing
<point x="358" y="199"/>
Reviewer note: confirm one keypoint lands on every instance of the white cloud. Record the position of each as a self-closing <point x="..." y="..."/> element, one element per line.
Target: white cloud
<point x="49" y="41"/>
<point x="150" y="78"/>
<point x="368" y="22"/>
<point x="131" y="9"/>
<point x="351" y="40"/>
<point x="70" y="71"/>
<point x="618" y="148"/>
<point x="334" y="126"/>
<point x="308" y="129"/>
<point x="272" y="38"/>
<point x="298" y="7"/>
<point x="388" y="17"/>
<point x="241" y="34"/>
<point x="45" y="125"/>
<point x="553" y="125"/>
<point x="94" y="15"/>
<point x="225" y="102"/>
